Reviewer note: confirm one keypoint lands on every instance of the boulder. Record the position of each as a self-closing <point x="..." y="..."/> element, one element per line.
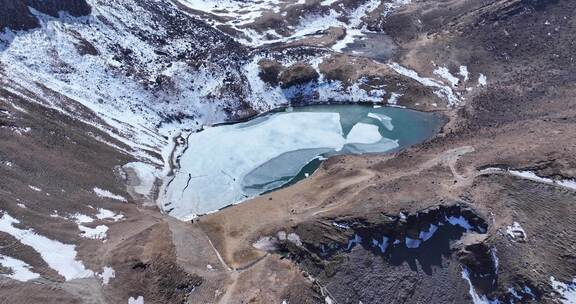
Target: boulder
<point x="299" y="73"/>
<point x="270" y="70"/>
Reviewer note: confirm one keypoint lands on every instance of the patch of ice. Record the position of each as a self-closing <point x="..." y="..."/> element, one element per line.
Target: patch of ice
<point x="96" y="233"/>
<point x="107" y="194"/>
<point x="445" y="73"/>
<point x="266" y="243"/>
<point x="567" y="183"/>
<point x="459" y="221"/>
<point x="476" y="299"/>
<point x="426" y="235"/>
<point x="444" y="91"/>
<point x="363" y="133"/>
<point x="21" y="206"/>
<point x="221" y="173"/>
<point x="107" y="274"/>
<point x="393" y="100"/>
<point x="516" y="232"/>
<point x="138" y="300"/>
<point x="356" y="240"/>
<point x="532" y="176"/>
<point x="341" y="225"/>
<point x="413" y="243"/>
<point x="35" y="188"/>
<point x="482" y="80"/>
<point x="81" y="218"/>
<point x="385" y="120"/>
<point x="350" y="36"/>
<point x="19" y="270"/>
<point x="328" y="2"/>
<point x="107" y="214"/>
<point x="567" y="291"/>
<point x="493" y="252"/>
<point x="389" y="7"/>
<point x="382" y="245"/>
<point x="294" y="238"/>
<point x="60" y="257"/>
<point x="464" y="72"/>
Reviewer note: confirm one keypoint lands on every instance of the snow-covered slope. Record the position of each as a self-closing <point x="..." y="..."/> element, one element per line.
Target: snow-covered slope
<point x="148" y="72"/>
<point x="140" y="66"/>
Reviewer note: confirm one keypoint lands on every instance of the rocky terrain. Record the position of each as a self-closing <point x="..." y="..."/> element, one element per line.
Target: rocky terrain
<point x="97" y="98"/>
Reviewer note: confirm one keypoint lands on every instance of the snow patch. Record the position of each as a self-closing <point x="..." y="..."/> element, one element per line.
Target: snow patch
<point x="445" y="73"/>
<point x="138" y="300"/>
<point x="443" y="91"/>
<point x="96" y="233"/>
<point x="516" y="232"/>
<point x="104" y="214"/>
<point x="266" y="243"/>
<point x="482" y="80"/>
<point x="20" y="270"/>
<point x="107" y="194"/>
<point x="476" y="299"/>
<point x="107" y="274"/>
<point x="393" y="100"/>
<point x="567" y="291"/>
<point x="60" y="257"/>
<point x="463" y="71"/>
<point x="35" y="188"/>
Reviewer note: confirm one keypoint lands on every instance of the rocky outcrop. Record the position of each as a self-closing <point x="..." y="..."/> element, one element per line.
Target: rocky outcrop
<point x="16" y="14"/>
<point x="299" y="73"/>
<point x="270" y="70"/>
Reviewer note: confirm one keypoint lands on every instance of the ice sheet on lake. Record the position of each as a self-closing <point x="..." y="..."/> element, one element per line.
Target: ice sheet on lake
<point x="235" y="158"/>
<point x="385" y="120"/>
<point x="220" y="172"/>
<point x="363" y="133"/>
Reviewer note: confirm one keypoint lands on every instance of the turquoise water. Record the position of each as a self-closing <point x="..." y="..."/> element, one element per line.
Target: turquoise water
<point x="405" y="127"/>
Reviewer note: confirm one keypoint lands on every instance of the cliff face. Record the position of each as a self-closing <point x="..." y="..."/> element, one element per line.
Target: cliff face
<point x="16" y="14"/>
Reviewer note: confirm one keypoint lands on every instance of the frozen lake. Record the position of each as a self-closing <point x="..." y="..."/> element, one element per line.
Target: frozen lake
<point x="228" y="164"/>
